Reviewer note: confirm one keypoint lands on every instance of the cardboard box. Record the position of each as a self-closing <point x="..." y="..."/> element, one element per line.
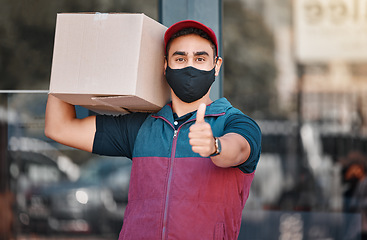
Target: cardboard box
<point x="109" y="63"/>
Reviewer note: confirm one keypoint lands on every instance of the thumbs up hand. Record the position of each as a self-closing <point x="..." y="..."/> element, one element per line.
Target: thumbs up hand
<point x="201" y="135"/>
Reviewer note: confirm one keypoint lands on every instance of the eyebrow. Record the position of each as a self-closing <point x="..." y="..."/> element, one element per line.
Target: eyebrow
<point x="182" y="53"/>
<point x="201" y="53"/>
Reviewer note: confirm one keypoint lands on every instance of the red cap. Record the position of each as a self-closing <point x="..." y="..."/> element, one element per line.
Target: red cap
<point x="189" y="24"/>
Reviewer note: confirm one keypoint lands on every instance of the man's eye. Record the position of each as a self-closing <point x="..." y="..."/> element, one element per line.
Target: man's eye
<point x="200" y="59"/>
<point x="180" y="59"/>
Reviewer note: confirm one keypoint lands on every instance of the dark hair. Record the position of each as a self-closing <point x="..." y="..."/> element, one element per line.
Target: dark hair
<point x="187" y="31"/>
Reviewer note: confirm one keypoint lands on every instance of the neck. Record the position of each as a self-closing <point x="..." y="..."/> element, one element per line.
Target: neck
<point x="181" y="108"/>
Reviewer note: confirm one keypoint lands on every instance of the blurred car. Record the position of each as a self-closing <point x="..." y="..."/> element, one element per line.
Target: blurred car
<point x="95" y="203"/>
<point x="31" y="171"/>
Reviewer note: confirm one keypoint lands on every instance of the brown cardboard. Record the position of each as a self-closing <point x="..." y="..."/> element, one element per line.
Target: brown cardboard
<point x="109" y="63"/>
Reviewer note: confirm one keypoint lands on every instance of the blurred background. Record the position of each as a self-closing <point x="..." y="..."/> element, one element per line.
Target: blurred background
<point x="298" y="67"/>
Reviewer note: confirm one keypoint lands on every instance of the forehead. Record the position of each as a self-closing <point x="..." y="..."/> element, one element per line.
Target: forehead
<point x="191" y="43"/>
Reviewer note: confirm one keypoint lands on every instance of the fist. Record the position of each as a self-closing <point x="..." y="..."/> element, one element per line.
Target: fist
<point x="201" y="135"/>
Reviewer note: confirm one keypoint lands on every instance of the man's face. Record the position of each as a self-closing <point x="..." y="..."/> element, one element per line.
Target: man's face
<point x="191" y="50"/>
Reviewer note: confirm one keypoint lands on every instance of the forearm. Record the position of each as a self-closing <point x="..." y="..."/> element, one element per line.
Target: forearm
<point x="235" y="151"/>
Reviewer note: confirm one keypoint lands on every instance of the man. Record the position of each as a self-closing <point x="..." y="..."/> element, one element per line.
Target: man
<point x="193" y="161"/>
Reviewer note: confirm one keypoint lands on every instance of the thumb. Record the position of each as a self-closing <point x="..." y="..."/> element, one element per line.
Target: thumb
<point x="200" y="113"/>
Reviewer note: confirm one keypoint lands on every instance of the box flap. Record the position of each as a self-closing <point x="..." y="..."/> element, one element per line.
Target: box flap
<point x="107" y="110"/>
<point x="129" y="103"/>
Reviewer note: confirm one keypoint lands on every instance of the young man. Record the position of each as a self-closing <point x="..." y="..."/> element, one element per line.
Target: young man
<point x="193" y="161"/>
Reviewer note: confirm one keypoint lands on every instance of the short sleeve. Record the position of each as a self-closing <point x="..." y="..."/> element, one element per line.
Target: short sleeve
<point x="248" y="128"/>
<point x="115" y="135"/>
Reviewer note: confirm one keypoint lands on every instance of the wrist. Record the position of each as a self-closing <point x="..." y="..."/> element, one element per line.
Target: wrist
<point x="217" y="147"/>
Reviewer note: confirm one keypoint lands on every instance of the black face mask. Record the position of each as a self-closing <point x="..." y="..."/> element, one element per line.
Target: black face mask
<point x="189" y="83"/>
